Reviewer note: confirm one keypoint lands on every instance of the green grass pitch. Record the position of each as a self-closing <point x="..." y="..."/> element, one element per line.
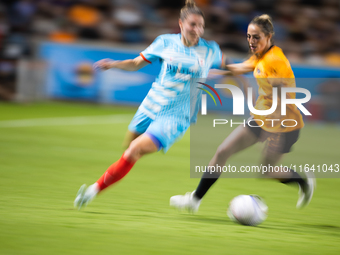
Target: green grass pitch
<point x="43" y="165"/>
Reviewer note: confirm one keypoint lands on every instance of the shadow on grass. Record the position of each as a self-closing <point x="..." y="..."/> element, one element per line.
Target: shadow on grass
<point x="84" y="211"/>
<point x="219" y="221"/>
<point x="302" y="228"/>
<point x="305" y="228"/>
<point x="94" y="212"/>
<point x="331" y="229"/>
<point x="209" y="220"/>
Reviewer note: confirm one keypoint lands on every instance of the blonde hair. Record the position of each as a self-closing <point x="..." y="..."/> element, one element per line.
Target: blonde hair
<point x="265" y="22"/>
<point x="190" y="8"/>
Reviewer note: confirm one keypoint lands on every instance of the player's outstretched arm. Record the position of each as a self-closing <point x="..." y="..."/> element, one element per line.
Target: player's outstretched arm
<point x="241" y="68"/>
<point x="127" y="65"/>
<point x="232" y="69"/>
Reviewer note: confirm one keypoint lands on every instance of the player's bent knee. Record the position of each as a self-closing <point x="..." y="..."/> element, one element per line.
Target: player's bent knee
<point x="224" y="152"/>
<point x="132" y="153"/>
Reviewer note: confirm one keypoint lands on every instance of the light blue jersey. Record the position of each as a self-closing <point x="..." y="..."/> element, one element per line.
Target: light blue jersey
<point x="168" y="108"/>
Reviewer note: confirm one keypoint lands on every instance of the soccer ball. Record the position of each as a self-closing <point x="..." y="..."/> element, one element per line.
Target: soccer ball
<point x="248" y="210"/>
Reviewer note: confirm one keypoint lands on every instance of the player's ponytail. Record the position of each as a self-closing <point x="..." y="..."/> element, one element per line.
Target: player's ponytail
<point x="265" y="22"/>
<point x="190" y="8"/>
<point x="190" y="3"/>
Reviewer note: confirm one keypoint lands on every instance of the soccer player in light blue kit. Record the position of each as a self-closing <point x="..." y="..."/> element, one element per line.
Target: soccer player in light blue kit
<point x="165" y="114"/>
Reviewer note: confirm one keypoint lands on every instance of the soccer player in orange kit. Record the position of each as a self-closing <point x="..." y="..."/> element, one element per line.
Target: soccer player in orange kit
<point x="271" y="69"/>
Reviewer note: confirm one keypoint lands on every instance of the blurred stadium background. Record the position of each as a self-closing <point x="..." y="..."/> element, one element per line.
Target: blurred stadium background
<point x="62" y="124"/>
<point x="47" y="47"/>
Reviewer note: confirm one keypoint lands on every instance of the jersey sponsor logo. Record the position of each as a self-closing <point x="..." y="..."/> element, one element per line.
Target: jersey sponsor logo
<point x="173" y="69"/>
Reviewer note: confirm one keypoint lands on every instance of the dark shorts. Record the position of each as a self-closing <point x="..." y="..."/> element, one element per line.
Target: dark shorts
<point x="276" y="142"/>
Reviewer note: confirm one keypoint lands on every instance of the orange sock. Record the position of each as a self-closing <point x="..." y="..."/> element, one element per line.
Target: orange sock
<point x="114" y="173"/>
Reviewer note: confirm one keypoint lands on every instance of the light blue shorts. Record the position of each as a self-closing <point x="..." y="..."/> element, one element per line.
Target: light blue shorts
<point x="164" y="131"/>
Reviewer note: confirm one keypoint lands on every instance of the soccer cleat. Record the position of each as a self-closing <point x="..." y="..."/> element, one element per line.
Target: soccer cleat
<point x="79" y="195"/>
<point x="186" y="202"/>
<point x="306" y="193"/>
<point x="87" y="196"/>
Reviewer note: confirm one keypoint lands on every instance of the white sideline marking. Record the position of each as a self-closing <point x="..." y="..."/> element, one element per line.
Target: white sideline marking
<point x="67" y="121"/>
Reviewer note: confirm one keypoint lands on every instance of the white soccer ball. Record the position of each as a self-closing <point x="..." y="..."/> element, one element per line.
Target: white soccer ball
<point x="248" y="210"/>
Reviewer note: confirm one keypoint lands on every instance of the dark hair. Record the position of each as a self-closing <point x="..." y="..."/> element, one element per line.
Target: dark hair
<point x="190" y="8"/>
<point x="265" y="23"/>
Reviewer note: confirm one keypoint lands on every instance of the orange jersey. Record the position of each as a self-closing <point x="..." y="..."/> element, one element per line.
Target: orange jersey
<point x="271" y="70"/>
